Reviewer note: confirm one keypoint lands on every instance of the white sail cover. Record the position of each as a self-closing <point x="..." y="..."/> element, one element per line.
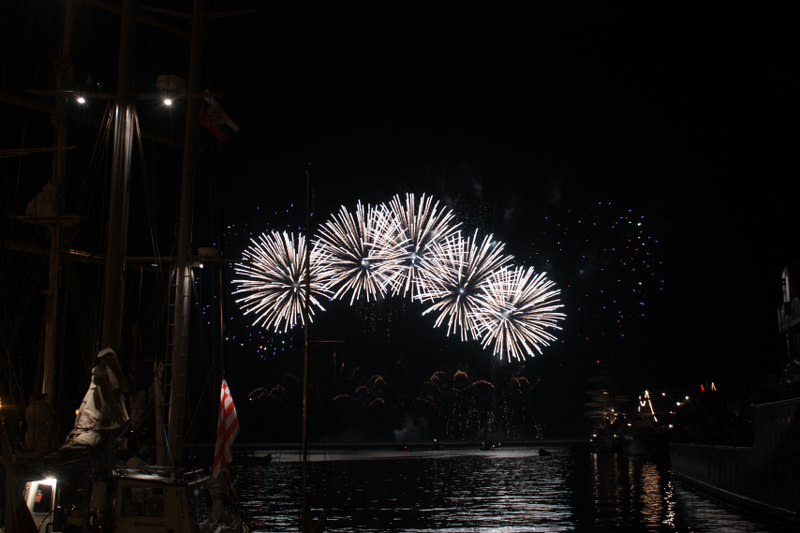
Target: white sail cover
<point x="103" y="405"/>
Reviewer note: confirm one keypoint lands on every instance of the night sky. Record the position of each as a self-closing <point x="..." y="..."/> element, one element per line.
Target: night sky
<point x="681" y="117"/>
<point x="544" y="129"/>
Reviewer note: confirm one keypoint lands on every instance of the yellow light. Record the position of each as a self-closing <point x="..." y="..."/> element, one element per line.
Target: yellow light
<point x="77" y="411"/>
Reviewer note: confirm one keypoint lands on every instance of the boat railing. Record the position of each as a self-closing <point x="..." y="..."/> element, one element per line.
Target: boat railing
<point x="166" y="472"/>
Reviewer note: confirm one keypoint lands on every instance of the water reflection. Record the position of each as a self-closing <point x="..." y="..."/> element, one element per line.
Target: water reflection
<point x="503" y="490"/>
<point x="628" y="492"/>
<point x="653" y="504"/>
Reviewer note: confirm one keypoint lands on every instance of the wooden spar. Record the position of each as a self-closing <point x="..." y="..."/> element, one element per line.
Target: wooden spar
<point x="304" y="512"/>
<point x="183" y="268"/>
<point x="124" y="117"/>
<point x="57" y="180"/>
<point x="306" y="314"/>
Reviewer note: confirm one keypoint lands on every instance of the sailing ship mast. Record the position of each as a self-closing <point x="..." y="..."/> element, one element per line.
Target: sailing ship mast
<point x="124" y="117"/>
<point x="183" y="268"/>
<point x="304" y="511"/>
<point x="47" y="210"/>
<point x="115" y="265"/>
<point x="118" y="217"/>
<point x="59" y="171"/>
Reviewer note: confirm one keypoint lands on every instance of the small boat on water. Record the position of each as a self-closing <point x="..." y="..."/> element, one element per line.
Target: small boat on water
<point x="250" y="458"/>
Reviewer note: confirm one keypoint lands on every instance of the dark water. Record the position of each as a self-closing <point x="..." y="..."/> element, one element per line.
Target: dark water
<point x="504" y="490"/>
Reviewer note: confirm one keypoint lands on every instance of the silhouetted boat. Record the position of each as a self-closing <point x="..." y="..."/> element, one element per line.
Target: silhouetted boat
<point x="764" y="476"/>
<point x="250" y="458"/>
<point x="605" y="439"/>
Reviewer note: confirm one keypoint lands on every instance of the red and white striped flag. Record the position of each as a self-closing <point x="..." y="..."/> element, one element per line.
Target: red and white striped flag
<point x="227" y="429"/>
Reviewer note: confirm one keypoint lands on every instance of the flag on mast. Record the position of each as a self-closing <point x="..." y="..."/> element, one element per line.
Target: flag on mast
<point x="214" y="119"/>
<point x="227" y="429"/>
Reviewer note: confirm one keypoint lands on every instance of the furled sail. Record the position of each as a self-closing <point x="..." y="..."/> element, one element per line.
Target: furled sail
<point x="103" y="405"/>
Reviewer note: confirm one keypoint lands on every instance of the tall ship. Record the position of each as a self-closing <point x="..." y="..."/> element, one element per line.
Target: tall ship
<point x="97" y="402"/>
<point x="761" y="470"/>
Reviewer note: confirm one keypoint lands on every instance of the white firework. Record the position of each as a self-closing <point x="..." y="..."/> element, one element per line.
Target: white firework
<point x="517" y="309"/>
<point x="455" y="275"/>
<point x="273" y="283"/>
<point x="407" y="247"/>
<point x="421" y="226"/>
<point x="361" y="253"/>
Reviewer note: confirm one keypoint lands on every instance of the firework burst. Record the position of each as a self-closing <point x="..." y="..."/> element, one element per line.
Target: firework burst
<point x="273" y="283"/>
<point x="410" y="247"/>
<point x="420" y="226"/>
<point x="240" y="333"/>
<point x="516" y="309"/>
<point x="362" y="253"/>
<point x="456" y="274"/>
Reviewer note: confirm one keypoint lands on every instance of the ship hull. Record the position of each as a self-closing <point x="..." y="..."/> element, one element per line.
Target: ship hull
<point x="764" y="477"/>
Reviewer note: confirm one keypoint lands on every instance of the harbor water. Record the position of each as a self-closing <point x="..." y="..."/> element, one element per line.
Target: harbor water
<point x="508" y="489"/>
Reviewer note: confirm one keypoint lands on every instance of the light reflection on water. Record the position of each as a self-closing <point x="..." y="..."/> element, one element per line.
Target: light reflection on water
<point x="504" y="490"/>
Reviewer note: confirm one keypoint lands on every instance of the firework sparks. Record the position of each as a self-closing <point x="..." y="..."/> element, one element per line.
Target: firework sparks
<point x="610" y="260"/>
<point x="457" y="272"/>
<point x="273" y="282"/>
<point x="361" y="253"/>
<point x="408" y="247"/>
<point x="421" y="226"/>
<point x="517" y="307"/>
<point x="242" y="334"/>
